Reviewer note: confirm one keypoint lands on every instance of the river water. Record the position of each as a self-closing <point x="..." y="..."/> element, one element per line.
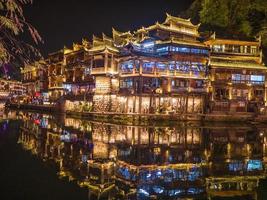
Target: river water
<point x="58" y="157"/>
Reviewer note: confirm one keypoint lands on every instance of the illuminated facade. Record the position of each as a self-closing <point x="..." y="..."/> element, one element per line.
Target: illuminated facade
<point x="56" y="74"/>
<point x="166" y="68"/>
<point x="238" y="77"/>
<point x="11" y="88"/>
<point x="159" y="69"/>
<point x="34" y="78"/>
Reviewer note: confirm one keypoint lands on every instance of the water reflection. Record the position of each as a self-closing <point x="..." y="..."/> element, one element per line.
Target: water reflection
<point x="129" y="162"/>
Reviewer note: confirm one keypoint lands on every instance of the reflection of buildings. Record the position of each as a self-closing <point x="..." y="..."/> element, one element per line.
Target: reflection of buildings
<point x="163" y="162"/>
<point x="144" y="162"/>
<point x="236" y="157"/>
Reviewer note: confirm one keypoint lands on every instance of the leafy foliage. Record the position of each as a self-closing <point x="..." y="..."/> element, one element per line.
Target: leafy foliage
<point x="13" y="24"/>
<point x="241" y="17"/>
<point x="234" y="18"/>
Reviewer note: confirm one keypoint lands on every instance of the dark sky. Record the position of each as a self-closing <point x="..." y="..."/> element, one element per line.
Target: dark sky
<point x="61" y="22"/>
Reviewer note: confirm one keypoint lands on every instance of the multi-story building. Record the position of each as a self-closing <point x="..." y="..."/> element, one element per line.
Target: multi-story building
<point x="237" y="75"/>
<point x="29" y="78"/>
<point x="158" y="69"/>
<point x="56" y="74"/>
<point x="34" y="78"/>
<point x="163" y="68"/>
<point x="79" y="82"/>
<point x="11" y="88"/>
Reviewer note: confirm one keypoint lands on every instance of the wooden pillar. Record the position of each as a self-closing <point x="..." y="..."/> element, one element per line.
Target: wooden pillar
<point x="169" y="85"/>
<point x="141" y="68"/>
<point x="134" y="103"/>
<point x="186" y="104"/>
<point x="74" y="75"/>
<point x="140" y="94"/>
<point x="126" y="104"/>
<point x="193" y="103"/>
<point x="150" y="102"/>
<point x="140" y="104"/>
<point x="106" y="62"/>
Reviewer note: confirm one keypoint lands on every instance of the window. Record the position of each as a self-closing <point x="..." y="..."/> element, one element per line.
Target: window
<point x="195" y="51"/>
<point x="240" y="78"/>
<point x="195" y="68"/>
<point x="248" y="49"/>
<point x="98" y="61"/>
<point x="183" y="66"/>
<point x="126" y="83"/>
<point x="228" y="48"/>
<point x="257" y="79"/>
<point x="254" y="165"/>
<point x="201" y="67"/>
<point x="254" y="50"/>
<point x="217" y="48"/>
<point x="148" y="67"/>
<point x="151" y="83"/>
<point x="180" y="49"/>
<point x="172" y="66"/>
<point x="109" y="61"/>
<point x="87" y="71"/>
<point x="236" y="49"/>
<point x="176" y="83"/>
<point x="258" y="92"/>
<point x="161" y="66"/>
<point x="127" y="67"/>
<point x="182" y="83"/>
<point x="163" y="49"/>
<point x="183" y="49"/>
<point x="199" y="83"/>
<point x="137" y="66"/>
<point x="239" y="93"/>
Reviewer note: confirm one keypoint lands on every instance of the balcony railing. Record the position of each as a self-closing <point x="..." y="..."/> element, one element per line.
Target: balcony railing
<point x="179" y="89"/>
<point x="98" y="70"/>
<point x="248" y="82"/>
<point x="198" y="90"/>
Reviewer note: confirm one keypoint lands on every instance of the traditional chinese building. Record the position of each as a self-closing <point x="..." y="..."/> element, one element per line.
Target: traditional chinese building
<point x="158" y="69"/>
<point x="164" y="68"/>
<point x="237" y="75"/>
<point x="79" y="80"/>
<point x="56" y="74"/>
<point x="10" y="89"/>
<point x="34" y="77"/>
<point x="35" y="80"/>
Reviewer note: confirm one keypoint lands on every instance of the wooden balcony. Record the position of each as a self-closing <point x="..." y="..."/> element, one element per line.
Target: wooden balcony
<point x="99" y="70"/>
<point x="198" y="90"/>
<point x="179" y="90"/>
<point x="159" y="73"/>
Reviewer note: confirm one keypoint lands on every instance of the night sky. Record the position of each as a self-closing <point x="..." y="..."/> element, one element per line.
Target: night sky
<point x="61" y="22"/>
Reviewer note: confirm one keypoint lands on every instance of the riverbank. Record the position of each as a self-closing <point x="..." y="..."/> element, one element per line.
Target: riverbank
<point x="133" y="118"/>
